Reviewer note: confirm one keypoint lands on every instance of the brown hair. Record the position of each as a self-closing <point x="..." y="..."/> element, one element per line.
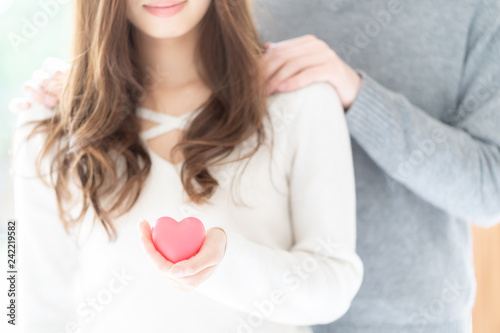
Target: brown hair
<point x="95" y="129"/>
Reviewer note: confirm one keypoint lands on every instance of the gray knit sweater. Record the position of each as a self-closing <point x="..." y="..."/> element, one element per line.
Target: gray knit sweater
<point x="425" y="133"/>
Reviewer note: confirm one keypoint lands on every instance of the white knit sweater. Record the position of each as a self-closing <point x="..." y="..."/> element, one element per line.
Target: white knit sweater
<point x="290" y="220"/>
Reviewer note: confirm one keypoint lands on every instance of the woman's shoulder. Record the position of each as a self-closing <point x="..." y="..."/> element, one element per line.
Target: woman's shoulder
<point x="25" y="144"/>
<point x="35" y="112"/>
<point x="313" y="102"/>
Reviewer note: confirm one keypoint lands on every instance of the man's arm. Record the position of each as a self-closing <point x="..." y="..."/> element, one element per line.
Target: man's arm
<point x="454" y="166"/>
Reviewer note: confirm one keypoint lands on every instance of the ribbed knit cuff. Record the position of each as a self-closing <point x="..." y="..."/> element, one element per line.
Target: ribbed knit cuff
<point x="370" y="119"/>
<point x="459" y="326"/>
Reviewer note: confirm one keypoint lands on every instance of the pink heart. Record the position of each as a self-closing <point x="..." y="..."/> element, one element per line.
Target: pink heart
<point x="178" y="241"/>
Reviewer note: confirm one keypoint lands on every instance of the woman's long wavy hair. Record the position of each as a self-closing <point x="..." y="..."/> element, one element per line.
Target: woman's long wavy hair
<point x="94" y="129"/>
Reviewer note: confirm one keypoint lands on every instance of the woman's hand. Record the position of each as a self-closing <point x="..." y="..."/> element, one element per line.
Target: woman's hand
<point x="298" y="62"/>
<point x="188" y="274"/>
<point x="45" y="86"/>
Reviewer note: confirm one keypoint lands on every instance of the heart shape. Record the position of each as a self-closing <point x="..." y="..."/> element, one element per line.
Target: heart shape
<point x="178" y="241"/>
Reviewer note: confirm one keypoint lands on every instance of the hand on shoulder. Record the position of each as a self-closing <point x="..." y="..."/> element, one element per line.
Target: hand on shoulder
<point x="296" y="63"/>
<point x="45" y="86"/>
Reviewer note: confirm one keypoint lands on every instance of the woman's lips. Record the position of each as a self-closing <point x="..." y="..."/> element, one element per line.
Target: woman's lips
<point x="165" y="8"/>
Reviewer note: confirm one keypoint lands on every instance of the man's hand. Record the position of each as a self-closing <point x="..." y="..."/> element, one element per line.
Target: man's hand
<point x="45" y="86"/>
<point x="298" y="62"/>
<point x="187" y="275"/>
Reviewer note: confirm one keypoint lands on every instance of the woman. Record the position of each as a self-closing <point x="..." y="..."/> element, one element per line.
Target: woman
<point x="163" y="113"/>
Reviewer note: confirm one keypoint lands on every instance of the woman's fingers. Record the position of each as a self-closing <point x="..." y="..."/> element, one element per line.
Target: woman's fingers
<point x="157" y="259"/>
<point x="205" y="258"/>
<point x="210" y="254"/>
<point x="147" y="243"/>
<point x="145" y="229"/>
<point x="191" y="282"/>
<point x="187" y="274"/>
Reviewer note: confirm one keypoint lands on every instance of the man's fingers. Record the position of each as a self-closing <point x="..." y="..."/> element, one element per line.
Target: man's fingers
<point x="292" y="42"/>
<point x="305" y="78"/>
<point x="41" y="97"/>
<point x="17" y="105"/>
<point x="52" y="65"/>
<point x="295" y="66"/>
<point x="45" y="86"/>
<point x="38" y="77"/>
<point x="278" y="56"/>
<point x="54" y="85"/>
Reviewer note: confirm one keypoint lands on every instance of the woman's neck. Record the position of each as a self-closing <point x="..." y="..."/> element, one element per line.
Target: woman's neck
<point x="172" y="80"/>
<point x="172" y="60"/>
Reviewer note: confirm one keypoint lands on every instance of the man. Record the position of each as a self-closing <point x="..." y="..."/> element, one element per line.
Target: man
<point x="425" y="124"/>
<point x="420" y="82"/>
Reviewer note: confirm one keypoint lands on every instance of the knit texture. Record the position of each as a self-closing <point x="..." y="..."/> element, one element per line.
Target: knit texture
<point x="426" y="145"/>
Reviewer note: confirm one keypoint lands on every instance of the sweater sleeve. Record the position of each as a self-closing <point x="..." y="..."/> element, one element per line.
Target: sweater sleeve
<point x="47" y="257"/>
<point x="316" y="279"/>
<point x="454" y="165"/>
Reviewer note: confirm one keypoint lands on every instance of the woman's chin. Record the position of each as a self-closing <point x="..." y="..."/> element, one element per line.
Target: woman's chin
<point x="162" y="32"/>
